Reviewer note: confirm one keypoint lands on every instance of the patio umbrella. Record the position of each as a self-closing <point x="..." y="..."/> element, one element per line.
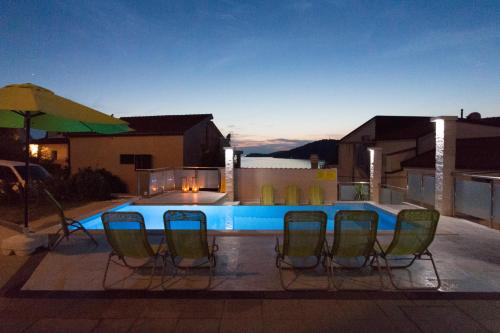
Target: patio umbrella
<point x="29" y="106"/>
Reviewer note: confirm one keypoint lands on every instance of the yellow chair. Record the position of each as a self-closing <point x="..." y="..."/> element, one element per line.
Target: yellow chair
<point x="316" y="195"/>
<point x="292" y="195"/>
<point x="267" y="195"/>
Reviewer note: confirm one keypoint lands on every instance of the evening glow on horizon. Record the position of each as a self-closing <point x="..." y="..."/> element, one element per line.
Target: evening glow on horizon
<point x="273" y="73"/>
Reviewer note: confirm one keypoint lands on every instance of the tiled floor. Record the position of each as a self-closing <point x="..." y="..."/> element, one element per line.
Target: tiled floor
<point x="467" y="256"/>
<point x="251" y="315"/>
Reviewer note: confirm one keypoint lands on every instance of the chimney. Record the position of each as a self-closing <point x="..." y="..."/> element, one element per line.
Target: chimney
<point x="461" y="113"/>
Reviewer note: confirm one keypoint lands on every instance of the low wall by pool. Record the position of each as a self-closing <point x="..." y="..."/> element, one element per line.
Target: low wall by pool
<point x="241" y="218"/>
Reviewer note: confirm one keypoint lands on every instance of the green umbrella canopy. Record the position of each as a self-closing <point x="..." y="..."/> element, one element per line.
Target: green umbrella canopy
<point x="51" y="112"/>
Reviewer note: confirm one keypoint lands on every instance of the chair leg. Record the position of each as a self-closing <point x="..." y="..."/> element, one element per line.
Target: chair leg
<point x="280" y="262"/>
<point x="374" y="258"/>
<point x="125" y="264"/>
<point x="80" y="227"/>
<point x="395" y="285"/>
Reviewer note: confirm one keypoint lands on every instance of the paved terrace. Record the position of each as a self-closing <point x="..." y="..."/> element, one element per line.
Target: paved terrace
<point x="61" y="291"/>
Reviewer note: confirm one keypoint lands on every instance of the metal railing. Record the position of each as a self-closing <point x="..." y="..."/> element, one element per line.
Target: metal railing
<point x="151" y="182"/>
<point x="353" y="191"/>
<point x="477" y="195"/>
<point x="421" y="189"/>
<point x="390" y="194"/>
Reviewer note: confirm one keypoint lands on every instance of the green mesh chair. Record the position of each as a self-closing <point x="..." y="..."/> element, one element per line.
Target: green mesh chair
<point x="414" y="232"/>
<point x="355" y="233"/>
<point x="316" y="195"/>
<point x="126" y="234"/>
<point x="304" y="235"/>
<point x="67" y="226"/>
<point x="267" y="195"/>
<point x="186" y="236"/>
<point x="292" y="195"/>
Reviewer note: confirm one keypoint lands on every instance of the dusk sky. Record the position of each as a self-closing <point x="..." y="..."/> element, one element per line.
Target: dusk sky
<point x="271" y="72"/>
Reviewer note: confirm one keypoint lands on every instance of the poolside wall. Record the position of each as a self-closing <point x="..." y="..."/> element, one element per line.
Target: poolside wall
<point x="248" y="183"/>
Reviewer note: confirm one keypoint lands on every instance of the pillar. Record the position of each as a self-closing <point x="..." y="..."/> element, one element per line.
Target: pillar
<point x="229" y="172"/>
<point x="375" y="173"/>
<point x="446" y="138"/>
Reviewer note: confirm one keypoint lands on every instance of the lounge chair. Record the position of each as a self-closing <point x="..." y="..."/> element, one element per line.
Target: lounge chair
<point x="67" y="225"/>
<point x="355" y="233"/>
<point x="186" y="236"/>
<point x="292" y="195"/>
<point x="304" y="235"/>
<point x="267" y="195"/>
<point x="414" y="232"/>
<point x="316" y="195"/>
<point x="126" y="234"/>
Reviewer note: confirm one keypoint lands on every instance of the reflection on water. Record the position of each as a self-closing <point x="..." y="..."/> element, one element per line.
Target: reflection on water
<point x="271" y="162"/>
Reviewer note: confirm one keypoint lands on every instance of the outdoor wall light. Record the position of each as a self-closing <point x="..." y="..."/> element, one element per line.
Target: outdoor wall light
<point x="194" y="185"/>
<point x="185" y="185"/>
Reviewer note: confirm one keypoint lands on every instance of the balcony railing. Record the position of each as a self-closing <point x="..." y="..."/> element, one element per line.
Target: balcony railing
<point x="393" y="195"/>
<point x="478" y="196"/>
<point x="353" y="191"/>
<point x="151" y="182"/>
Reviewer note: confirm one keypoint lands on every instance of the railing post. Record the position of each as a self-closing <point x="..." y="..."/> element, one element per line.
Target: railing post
<point x="492" y="206"/>
<point x="229" y="173"/>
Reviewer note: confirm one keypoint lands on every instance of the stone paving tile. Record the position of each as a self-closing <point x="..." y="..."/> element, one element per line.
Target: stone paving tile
<point x="492" y="325"/>
<point x="330" y="326"/>
<point x="121" y="325"/>
<point x="197" y="325"/>
<point x="164" y="325"/>
<point x="392" y="309"/>
<point x="244" y="308"/>
<point x="200" y="308"/>
<point x="281" y="309"/>
<point x="14" y="325"/>
<point x="54" y="325"/>
<point x="161" y="308"/>
<point x="241" y="325"/>
<point x="479" y="309"/>
<point x="324" y="309"/>
<point x="88" y="308"/>
<point x="360" y="309"/>
<point x="442" y="319"/>
<point x="35" y="308"/>
<point x="125" y="308"/>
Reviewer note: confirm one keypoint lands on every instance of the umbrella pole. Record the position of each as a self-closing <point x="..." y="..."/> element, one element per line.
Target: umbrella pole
<point x="27" y="128"/>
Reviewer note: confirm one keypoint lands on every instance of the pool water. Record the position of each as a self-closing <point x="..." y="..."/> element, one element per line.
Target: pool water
<point x="241" y="217"/>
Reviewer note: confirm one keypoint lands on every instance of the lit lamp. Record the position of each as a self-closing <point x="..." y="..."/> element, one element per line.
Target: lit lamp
<point x="185" y="185"/>
<point x="194" y="185"/>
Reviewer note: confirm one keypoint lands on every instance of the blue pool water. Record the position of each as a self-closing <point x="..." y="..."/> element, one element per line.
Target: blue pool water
<point x="242" y="217"/>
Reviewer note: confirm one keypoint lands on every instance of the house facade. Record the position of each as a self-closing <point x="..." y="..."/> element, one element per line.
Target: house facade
<point x="169" y="141"/>
<point x="401" y="138"/>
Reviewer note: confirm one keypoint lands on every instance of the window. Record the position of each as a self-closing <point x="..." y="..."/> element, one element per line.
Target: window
<point x="143" y="162"/>
<point x="126" y="159"/>
<point x="139" y="161"/>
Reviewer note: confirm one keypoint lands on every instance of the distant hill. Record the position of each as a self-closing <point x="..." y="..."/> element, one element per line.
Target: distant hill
<point x="326" y="149"/>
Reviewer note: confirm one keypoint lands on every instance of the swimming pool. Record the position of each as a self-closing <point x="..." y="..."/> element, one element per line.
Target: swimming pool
<point x="241" y="217"/>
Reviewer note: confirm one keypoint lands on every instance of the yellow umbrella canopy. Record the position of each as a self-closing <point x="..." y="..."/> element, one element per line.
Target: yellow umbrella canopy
<point x="50" y="112"/>
<point x="29" y="106"/>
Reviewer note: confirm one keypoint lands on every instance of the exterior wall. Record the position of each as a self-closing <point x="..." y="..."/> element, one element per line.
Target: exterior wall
<point x="203" y="145"/>
<point x="467" y="130"/>
<point x="249" y="182"/>
<point x="346" y="162"/>
<point x="104" y="152"/>
<point x="426" y="143"/>
<point x="60" y="148"/>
